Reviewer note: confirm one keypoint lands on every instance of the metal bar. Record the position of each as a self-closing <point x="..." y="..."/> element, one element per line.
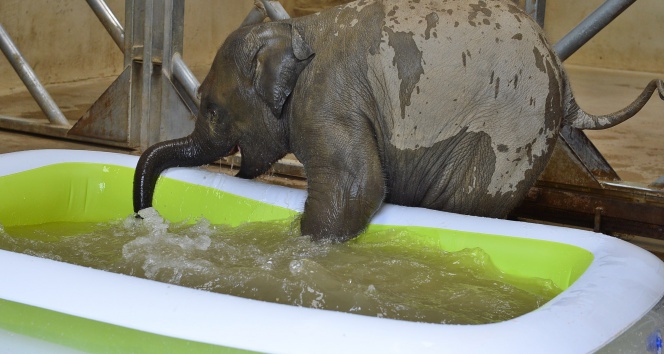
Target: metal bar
<point x="274" y="10"/>
<point x="166" y="43"/>
<point x="177" y="108"/>
<point x="33" y="126"/>
<point x="130" y="32"/>
<point x="536" y="9"/>
<point x="590" y="26"/>
<point x="109" y="21"/>
<point x="31" y="81"/>
<point x="255" y="16"/>
<point x="186" y="78"/>
<point x="587" y="154"/>
<point x="146" y="74"/>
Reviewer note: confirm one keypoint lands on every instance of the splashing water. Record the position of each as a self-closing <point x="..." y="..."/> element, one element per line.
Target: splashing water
<point x="269" y="261"/>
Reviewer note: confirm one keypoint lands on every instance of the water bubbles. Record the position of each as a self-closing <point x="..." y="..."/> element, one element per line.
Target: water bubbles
<point x="319" y="298"/>
<point x="267" y="265"/>
<point x="168" y="252"/>
<point x="269" y="261"/>
<point x="153" y="221"/>
<point x="295" y="266"/>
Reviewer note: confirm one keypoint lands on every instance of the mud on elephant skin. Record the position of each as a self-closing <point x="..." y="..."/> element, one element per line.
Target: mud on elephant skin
<point x="449" y="105"/>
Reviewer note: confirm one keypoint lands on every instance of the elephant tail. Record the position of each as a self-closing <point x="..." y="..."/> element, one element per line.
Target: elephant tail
<point x="577" y="118"/>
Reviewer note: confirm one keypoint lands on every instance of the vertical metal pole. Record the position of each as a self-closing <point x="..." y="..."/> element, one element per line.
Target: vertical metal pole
<point x="178" y="85"/>
<point x="590" y="26"/>
<point x="255" y="16"/>
<point x="30" y="80"/>
<point x="274" y="10"/>
<point x="536" y="9"/>
<point x="186" y="78"/>
<point x="146" y="75"/>
<point x="159" y="109"/>
<point x="109" y="21"/>
<point x="132" y="34"/>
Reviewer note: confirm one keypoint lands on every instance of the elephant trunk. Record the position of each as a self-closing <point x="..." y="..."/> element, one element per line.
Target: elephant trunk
<point x="183" y="152"/>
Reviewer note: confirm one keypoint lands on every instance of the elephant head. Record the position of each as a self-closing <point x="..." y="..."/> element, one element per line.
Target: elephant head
<point x="244" y="104"/>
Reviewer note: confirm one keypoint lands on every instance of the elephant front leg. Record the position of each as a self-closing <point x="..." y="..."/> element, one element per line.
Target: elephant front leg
<point x="343" y="196"/>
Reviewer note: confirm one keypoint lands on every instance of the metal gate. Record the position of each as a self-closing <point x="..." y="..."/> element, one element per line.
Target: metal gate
<point x="151" y="101"/>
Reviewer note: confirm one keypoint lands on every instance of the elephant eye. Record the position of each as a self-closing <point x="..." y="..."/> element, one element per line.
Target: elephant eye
<point x="212" y="111"/>
<point x="215" y="112"/>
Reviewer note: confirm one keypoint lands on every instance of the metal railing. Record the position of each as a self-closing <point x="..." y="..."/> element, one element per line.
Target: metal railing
<point x="590" y="26"/>
<point x="31" y="81"/>
<point x="139" y="108"/>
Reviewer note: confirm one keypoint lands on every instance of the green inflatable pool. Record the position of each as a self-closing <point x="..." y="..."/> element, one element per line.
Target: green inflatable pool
<point x="612" y="290"/>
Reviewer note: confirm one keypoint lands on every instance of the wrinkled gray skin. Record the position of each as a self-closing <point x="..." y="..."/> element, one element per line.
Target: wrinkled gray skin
<point x="449" y="105"/>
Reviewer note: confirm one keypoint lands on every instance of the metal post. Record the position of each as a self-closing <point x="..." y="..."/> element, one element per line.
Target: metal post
<point x="180" y="70"/>
<point x="186" y="78"/>
<point x="274" y="10"/>
<point x="590" y="26"/>
<point x="265" y="9"/>
<point x="30" y="80"/>
<point x="154" y="99"/>
<point x="109" y="21"/>
<point x="148" y="120"/>
<point x="159" y="107"/>
<point x="255" y="16"/>
<point x="536" y="10"/>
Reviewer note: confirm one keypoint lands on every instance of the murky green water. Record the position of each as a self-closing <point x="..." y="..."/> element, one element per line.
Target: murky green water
<point x="267" y="261"/>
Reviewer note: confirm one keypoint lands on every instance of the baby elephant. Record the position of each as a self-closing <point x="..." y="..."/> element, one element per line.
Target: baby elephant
<point x="451" y="105"/>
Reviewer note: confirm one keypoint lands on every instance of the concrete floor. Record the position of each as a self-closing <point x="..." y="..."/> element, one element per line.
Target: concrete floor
<point x="635" y="148"/>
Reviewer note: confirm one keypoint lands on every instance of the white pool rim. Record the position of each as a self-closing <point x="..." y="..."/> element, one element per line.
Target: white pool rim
<point x="621" y="285"/>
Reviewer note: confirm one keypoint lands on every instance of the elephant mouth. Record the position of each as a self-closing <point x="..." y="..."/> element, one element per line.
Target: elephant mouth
<point x="233" y="150"/>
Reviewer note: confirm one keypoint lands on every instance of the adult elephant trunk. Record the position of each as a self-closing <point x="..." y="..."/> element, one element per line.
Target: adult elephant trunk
<point x="183" y="152"/>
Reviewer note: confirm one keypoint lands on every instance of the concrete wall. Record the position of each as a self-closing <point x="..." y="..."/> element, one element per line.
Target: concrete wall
<point x="64" y="41"/>
<point x="58" y="39"/>
<point x="633" y="41"/>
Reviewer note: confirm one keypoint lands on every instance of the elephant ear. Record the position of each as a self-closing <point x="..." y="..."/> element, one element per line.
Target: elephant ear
<point x="280" y="59"/>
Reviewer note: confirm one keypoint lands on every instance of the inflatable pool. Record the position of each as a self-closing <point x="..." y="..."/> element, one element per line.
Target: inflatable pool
<point x="612" y="298"/>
